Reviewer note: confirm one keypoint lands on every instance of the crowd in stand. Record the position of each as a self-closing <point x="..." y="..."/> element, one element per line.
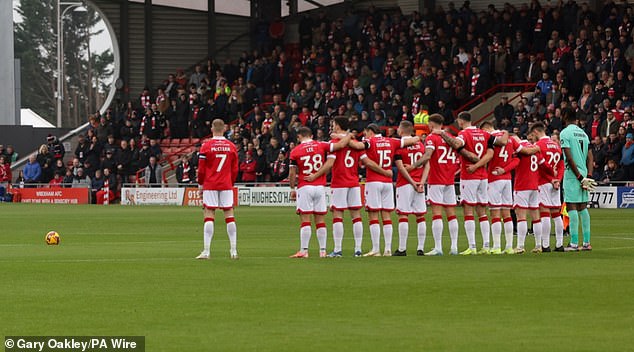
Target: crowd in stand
<point x="383" y="67"/>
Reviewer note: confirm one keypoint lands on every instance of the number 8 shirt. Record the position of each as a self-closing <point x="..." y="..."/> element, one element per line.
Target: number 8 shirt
<point x="526" y="195"/>
<point x="308" y="157"/>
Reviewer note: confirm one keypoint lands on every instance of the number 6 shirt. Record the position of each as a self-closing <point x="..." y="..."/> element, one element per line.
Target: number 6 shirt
<point x="309" y="156"/>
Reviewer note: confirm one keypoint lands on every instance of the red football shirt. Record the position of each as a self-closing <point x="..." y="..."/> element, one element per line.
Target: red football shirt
<point x="308" y="157"/>
<point x="527" y="172"/>
<point x="475" y="140"/>
<point x="218" y="164"/>
<point x="409" y="155"/>
<point x="381" y="150"/>
<point x="443" y="163"/>
<point x="345" y="171"/>
<point x="503" y="157"/>
<point x="551" y="151"/>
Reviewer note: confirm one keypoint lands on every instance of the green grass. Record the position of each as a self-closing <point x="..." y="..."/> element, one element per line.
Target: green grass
<point x="130" y="271"/>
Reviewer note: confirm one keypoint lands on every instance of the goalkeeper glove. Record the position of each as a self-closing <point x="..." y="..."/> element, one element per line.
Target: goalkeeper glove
<point x="588" y="184"/>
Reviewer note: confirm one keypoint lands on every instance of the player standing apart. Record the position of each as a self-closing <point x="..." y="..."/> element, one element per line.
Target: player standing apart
<point x="410" y="192"/>
<point x="379" y="191"/>
<point x="473" y="177"/>
<point x="577" y="180"/>
<point x="500" y="190"/>
<point x="217" y="172"/>
<point x="306" y="158"/>
<point x="549" y="197"/>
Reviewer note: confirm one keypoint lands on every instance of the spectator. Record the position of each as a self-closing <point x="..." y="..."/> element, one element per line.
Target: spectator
<point x="81" y="180"/>
<point x="185" y="172"/>
<point x="81" y="151"/>
<point x="609" y="126"/>
<point x="32" y="170"/>
<point x="57" y="180"/>
<point x="5" y="169"/>
<point x="96" y="184"/>
<point x="11" y="154"/>
<point x="627" y="159"/>
<point x="612" y="173"/>
<point x="197" y="77"/>
<point x="55" y="148"/>
<point x="153" y="173"/>
<point x="123" y="161"/>
<point x="100" y="193"/>
<point x="503" y="111"/>
<point x="248" y="168"/>
<point x="280" y="168"/>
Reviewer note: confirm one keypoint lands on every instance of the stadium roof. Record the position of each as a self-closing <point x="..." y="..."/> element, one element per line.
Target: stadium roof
<point x="29" y="118"/>
<point x="235" y="7"/>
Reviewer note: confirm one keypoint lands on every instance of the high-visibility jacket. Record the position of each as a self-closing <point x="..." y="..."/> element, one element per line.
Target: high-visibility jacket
<point x="421" y="120"/>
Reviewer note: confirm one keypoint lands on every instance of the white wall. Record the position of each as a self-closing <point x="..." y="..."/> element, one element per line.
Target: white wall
<point x="7" y="70"/>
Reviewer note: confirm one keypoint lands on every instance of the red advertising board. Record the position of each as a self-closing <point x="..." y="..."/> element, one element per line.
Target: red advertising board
<point x="55" y="195"/>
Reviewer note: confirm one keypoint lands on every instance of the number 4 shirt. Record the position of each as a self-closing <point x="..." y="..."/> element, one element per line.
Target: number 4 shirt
<point x="308" y="157"/>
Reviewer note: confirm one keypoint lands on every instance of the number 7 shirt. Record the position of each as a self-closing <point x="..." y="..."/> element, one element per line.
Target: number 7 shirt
<point x="309" y="156"/>
<point x="217" y="165"/>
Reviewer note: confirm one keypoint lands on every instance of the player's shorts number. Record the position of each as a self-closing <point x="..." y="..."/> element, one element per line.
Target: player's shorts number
<point x="312" y="163"/>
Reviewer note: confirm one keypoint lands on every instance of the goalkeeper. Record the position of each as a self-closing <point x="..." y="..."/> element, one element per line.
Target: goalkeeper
<point x="577" y="180"/>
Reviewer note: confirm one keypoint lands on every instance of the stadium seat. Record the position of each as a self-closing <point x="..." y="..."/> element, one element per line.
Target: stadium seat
<point x="174" y="142"/>
<point x="165" y="142"/>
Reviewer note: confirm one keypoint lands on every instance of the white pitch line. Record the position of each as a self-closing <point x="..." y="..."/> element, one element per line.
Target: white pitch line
<point x="615" y="238"/>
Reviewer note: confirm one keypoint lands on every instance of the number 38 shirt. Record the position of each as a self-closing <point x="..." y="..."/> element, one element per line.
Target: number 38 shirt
<point x="475" y="141"/>
<point x="381" y="150"/>
<point x="309" y="156"/>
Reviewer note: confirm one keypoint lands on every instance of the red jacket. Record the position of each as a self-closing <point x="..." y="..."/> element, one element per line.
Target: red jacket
<point x="5" y="173"/>
<point x="248" y="170"/>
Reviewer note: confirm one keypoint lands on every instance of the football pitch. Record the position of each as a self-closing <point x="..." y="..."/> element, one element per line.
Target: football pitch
<point x="130" y="271"/>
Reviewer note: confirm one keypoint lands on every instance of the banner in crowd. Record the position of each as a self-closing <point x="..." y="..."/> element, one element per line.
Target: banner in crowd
<point x="55" y="195"/>
<point x="152" y="196"/>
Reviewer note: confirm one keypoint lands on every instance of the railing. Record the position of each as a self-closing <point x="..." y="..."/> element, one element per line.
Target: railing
<point x="479" y="99"/>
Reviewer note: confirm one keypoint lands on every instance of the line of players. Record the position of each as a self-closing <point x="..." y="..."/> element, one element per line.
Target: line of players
<point x="483" y="157"/>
